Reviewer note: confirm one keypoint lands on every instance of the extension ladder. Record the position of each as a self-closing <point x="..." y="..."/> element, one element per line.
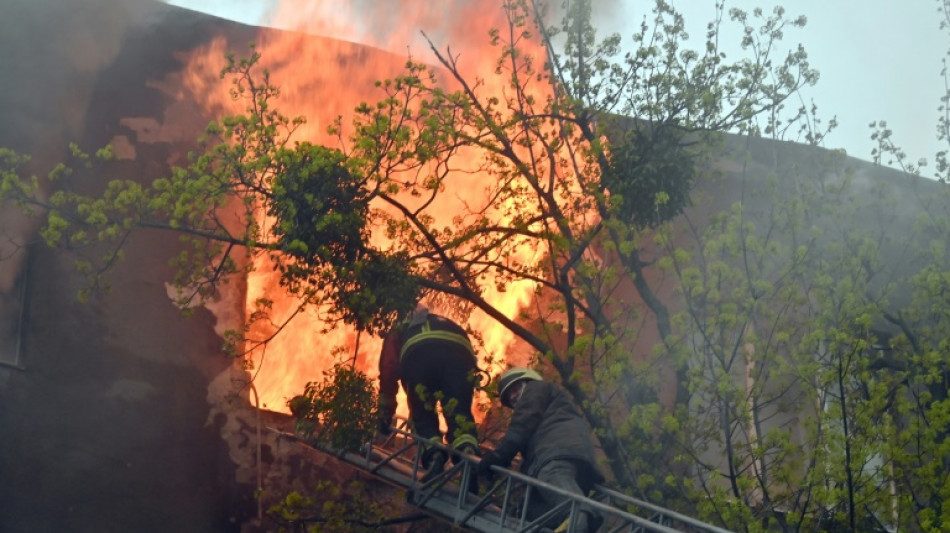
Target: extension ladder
<point x="501" y="508"/>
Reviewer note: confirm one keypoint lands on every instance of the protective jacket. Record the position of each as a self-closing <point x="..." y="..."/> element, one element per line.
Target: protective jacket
<point x="423" y="331"/>
<point x="546" y="425"/>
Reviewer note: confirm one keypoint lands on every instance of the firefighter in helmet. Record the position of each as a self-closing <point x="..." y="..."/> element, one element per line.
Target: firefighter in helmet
<point x="433" y="358"/>
<point x="554" y="441"/>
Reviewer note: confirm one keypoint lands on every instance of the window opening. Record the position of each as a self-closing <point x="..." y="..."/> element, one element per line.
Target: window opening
<point x="13" y="310"/>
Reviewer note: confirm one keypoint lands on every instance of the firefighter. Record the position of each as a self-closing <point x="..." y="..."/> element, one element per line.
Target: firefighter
<point x="433" y="358"/>
<point x="554" y="441"/>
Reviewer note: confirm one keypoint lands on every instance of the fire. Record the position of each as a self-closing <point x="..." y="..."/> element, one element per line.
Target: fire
<point x="322" y="78"/>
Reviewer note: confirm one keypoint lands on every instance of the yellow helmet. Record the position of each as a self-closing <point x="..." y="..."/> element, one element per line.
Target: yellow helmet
<point x="514" y="375"/>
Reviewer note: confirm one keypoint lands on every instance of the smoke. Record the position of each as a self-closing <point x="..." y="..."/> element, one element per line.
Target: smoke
<point x="617" y="16"/>
<point x="396" y="26"/>
<point x="85" y="32"/>
<point x="51" y="54"/>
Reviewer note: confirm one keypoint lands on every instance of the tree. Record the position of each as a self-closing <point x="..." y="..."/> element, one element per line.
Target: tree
<point x="544" y="145"/>
<point x="816" y="346"/>
<point x="339" y="412"/>
<point x="790" y="328"/>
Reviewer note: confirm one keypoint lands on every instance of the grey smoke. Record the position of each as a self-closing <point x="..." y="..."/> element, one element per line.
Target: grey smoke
<point x="52" y="51"/>
<point x="75" y="38"/>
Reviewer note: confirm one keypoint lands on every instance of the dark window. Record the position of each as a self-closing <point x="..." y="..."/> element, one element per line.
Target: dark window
<point x="13" y="282"/>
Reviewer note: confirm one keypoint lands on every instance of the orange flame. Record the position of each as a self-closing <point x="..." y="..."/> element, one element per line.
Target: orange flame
<point x="325" y="77"/>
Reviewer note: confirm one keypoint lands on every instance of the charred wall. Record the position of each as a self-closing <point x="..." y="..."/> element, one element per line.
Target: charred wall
<point x="105" y="415"/>
<point x="123" y="414"/>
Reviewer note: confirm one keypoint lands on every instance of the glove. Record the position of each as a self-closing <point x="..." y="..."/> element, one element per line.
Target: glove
<point x="489" y="460"/>
<point x="383" y="427"/>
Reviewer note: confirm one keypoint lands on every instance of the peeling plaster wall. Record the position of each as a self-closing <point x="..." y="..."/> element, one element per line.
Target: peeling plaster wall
<point x="106" y="424"/>
<point x="125" y="415"/>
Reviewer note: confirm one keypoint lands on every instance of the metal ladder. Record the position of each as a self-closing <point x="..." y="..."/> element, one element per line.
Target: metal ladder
<point x="502" y="508"/>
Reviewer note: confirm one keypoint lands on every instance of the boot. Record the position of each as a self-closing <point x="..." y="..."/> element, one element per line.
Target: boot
<point x="434" y="466"/>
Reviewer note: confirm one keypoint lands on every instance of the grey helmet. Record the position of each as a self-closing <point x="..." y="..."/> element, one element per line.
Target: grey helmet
<point x="514" y="375"/>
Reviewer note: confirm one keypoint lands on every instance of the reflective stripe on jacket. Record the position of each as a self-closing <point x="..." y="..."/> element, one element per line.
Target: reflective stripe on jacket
<point x="435" y="328"/>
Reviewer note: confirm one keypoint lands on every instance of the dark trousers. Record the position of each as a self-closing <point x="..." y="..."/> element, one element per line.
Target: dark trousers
<point x="446" y="368"/>
<point x="572" y="476"/>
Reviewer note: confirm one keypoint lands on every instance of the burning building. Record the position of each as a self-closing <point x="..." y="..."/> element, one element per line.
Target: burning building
<point x="122" y="414"/>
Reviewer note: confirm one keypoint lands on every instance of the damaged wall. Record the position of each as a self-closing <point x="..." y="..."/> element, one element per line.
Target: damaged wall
<point x="120" y="414"/>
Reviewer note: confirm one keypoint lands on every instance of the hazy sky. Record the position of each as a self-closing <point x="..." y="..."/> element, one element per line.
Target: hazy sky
<point x="878" y="59"/>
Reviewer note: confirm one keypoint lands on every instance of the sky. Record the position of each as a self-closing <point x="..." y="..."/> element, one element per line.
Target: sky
<point x="878" y="59"/>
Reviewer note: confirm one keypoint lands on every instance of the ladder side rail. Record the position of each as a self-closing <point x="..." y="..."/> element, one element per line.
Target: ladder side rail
<point x="483" y="502"/>
<point x="619" y="514"/>
<point x="509" y="486"/>
<point x="433" y="486"/>
<point x="468" y="472"/>
<point x="357" y="459"/>
<point x="388" y="457"/>
<point x="673" y="515"/>
<point x="411" y="441"/>
<point x="400" y="430"/>
<point x="536" y="523"/>
<point x="361" y="458"/>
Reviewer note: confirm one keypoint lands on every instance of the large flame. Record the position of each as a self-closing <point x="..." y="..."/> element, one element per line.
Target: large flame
<point x="322" y="78"/>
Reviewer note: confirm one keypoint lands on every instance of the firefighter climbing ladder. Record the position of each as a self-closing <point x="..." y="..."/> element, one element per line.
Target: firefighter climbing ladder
<point x="500" y="505"/>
